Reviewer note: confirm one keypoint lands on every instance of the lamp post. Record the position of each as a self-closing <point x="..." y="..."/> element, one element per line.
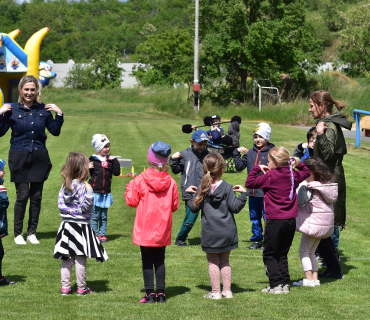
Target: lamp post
<point x="196" y="84"/>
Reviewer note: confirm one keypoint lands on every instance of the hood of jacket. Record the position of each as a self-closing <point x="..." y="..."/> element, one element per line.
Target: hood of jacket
<point x="337" y="118"/>
<point x="218" y="194"/>
<point x="265" y="149"/>
<point x="233" y="128"/>
<point x="156" y="181"/>
<point x="329" y="191"/>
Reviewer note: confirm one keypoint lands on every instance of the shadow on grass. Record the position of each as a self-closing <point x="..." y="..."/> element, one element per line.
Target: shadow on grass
<point x="99" y="285"/>
<point x="16" y="278"/>
<point x="234" y="288"/>
<point x="112" y="237"/>
<point x="194" y="241"/>
<point x="47" y="235"/>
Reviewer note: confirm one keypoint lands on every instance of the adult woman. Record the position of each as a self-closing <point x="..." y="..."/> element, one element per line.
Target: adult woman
<point x="330" y="146"/>
<point x="29" y="161"/>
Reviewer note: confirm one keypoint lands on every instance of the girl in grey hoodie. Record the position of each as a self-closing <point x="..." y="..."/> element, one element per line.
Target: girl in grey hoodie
<point x="218" y="202"/>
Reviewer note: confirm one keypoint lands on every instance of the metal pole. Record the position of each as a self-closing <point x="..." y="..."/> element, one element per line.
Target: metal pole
<point x="196" y="86"/>
<point x="259" y="98"/>
<point x="357" y="117"/>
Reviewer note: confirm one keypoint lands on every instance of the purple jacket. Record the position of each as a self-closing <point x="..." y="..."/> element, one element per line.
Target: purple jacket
<point x="276" y="185"/>
<point x="316" y="213"/>
<point x="76" y="205"/>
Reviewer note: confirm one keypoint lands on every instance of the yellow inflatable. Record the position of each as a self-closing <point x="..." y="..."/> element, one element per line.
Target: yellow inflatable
<point x="16" y="62"/>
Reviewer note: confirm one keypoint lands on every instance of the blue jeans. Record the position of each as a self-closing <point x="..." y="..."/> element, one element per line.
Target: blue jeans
<point x="187" y="224"/>
<point x="99" y="220"/>
<point x="335" y="237"/>
<point x="256" y="213"/>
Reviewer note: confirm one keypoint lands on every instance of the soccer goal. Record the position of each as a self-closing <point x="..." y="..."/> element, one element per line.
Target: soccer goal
<point x="266" y="94"/>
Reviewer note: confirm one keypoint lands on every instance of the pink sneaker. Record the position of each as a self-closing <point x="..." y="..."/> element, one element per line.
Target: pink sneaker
<point x="66" y="292"/>
<point x="83" y="292"/>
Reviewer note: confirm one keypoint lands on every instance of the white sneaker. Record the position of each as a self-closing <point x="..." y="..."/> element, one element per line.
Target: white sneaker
<point x="32" y="238"/>
<point x="215" y="296"/>
<point x="304" y="283"/>
<point x="317" y="282"/>
<point x="19" y="240"/>
<point x="227" y="294"/>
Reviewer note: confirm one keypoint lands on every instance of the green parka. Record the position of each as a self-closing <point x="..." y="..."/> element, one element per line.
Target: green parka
<point x="331" y="147"/>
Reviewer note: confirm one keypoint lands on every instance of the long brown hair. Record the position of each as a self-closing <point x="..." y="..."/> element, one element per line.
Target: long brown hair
<point x="76" y="167"/>
<point x="280" y="156"/>
<point x="319" y="169"/>
<point x="324" y="98"/>
<point x="28" y="79"/>
<point x="213" y="167"/>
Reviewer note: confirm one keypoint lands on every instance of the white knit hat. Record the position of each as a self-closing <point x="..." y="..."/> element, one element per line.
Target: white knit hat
<point x="263" y="129"/>
<point x="99" y="141"/>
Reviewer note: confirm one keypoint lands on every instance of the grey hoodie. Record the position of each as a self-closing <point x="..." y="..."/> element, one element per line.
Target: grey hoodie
<point x="219" y="233"/>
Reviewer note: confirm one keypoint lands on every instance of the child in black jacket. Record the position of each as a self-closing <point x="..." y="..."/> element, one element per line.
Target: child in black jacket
<point x="256" y="156"/>
<point x="102" y="167"/>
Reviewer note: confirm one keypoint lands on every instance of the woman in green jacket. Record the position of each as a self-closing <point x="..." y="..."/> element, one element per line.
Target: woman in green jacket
<point x="330" y="146"/>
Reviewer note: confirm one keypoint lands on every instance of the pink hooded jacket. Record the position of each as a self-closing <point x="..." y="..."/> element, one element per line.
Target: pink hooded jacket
<point x="156" y="196"/>
<point x="316" y="216"/>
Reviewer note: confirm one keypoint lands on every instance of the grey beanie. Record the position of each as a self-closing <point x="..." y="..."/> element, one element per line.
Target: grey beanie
<point x="99" y="141"/>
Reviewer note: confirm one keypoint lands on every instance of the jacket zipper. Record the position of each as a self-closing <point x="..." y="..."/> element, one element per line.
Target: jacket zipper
<point x="258" y="153"/>
<point x="186" y="173"/>
<point x="103" y="179"/>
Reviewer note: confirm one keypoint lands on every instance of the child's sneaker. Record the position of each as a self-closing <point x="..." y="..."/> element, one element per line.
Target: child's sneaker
<point x="227" y="294"/>
<point x="214" y="296"/>
<point x="181" y="243"/>
<point x="103" y="239"/>
<point x="66" y="292"/>
<point x="148" y="298"/>
<point x="276" y="290"/>
<point x="304" y="283"/>
<point x="6" y="282"/>
<point x="317" y="282"/>
<point x="286" y="288"/>
<point x="161" y="298"/>
<point x="83" y="292"/>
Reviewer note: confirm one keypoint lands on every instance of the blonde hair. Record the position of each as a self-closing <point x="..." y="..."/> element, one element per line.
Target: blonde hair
<point x="322" y="97"/>
<point x="76" y="167"/>
<point x="29" y="79"/>
<point x="281" y="157"/>
<point x="213" y="167"/>
<point x="158" y="168"/>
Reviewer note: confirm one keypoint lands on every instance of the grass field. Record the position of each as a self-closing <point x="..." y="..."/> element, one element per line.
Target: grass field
<point x="118" y="284"/>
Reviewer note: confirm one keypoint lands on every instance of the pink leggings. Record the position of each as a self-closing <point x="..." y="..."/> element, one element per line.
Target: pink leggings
<point x="307" y="253"/>
<point x="80" y="265"/>
<point x="219" y="262"/>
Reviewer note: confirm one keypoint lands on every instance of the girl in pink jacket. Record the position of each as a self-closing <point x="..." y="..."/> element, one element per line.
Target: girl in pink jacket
<point x="315" y="216"/>
<point x="155" y="196"/>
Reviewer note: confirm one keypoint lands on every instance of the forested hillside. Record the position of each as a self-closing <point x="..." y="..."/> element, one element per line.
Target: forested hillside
<point x="77" y="28"/>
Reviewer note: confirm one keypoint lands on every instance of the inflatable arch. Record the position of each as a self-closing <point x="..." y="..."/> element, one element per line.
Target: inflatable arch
<point x="16" y="62"/>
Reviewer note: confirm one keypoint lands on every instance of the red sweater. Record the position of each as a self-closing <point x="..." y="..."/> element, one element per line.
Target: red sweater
<point x="276" y="186"/>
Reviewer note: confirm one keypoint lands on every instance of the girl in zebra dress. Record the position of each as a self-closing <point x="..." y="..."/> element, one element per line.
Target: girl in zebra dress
<point x="76" y="240"/>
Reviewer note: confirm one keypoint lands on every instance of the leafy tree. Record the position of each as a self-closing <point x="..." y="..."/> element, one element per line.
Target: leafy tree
<point x="254" y="38"/>
<point x="333" y="15"/>
<point x="168" y="58"/>
<point x="355" y="51"/>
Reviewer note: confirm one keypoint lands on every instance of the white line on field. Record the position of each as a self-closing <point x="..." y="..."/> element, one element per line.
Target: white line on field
<point x="171" y="254"/>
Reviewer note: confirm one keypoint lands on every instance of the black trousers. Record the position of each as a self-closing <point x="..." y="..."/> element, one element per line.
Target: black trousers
<point x="25" y="191"/>
<point x="1" y="257"/>
<point x="279" y="236"/>
<point x="327" y="252"/>
<point x="153" y="256"/>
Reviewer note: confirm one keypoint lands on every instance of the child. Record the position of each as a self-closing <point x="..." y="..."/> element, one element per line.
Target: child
<point x="315" y="216"/>
<point x="76" y="240"/>
<point x="102" y="167"/>
<point x="4" y="203"/>
<point x="257" y="155"/>
<point x="278" y="182"/>
<point x="190" y="163"/>
<point x="219" y="235"/>
<point x="305" y="150"/>
<point x="155" y="194"/>
<point x="216" y="132"/>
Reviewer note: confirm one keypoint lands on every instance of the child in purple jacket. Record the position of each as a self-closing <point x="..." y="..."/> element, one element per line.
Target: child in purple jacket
<point x="279" y="182"/>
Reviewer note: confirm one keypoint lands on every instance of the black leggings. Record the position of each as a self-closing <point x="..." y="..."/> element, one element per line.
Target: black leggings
<point x="25" y="191"/>
<point x="153" y="256"/>
<point x="1" y="257"/>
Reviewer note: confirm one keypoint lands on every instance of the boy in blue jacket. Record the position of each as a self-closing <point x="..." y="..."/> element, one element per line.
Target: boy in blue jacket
<point x="189" y="163"/>
<point x="257" y="155"/>
<point x="4" y="203"/>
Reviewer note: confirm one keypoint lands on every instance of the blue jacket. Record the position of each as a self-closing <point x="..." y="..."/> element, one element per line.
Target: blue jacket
<point x="253" y="157"/>
<point x="4" y="204"/>
<point x="216" y="135"/>
<point x="28" y="126"/>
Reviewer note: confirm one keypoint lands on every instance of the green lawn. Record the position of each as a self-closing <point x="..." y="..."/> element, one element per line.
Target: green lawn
<point x="118" y="282"/>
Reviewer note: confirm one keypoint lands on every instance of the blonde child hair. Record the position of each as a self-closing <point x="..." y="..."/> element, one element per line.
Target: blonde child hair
<point x="76" y="167"/>
<point x="281" y="157"/>
<point x="213" y="167"/>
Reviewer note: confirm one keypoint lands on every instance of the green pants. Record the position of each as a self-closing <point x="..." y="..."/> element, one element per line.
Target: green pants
<point x="187" y="224"/>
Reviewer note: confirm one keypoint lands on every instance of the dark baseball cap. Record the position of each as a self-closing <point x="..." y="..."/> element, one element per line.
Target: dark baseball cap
<point x="199" y="136"/>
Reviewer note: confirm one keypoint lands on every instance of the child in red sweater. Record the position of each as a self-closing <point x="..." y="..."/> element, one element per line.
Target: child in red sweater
<point x="279" y="183"/>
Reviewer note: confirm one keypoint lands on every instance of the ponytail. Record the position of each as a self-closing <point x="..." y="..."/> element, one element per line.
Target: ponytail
<point x="205" y="185"/>
<point x="324" y="98"/>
